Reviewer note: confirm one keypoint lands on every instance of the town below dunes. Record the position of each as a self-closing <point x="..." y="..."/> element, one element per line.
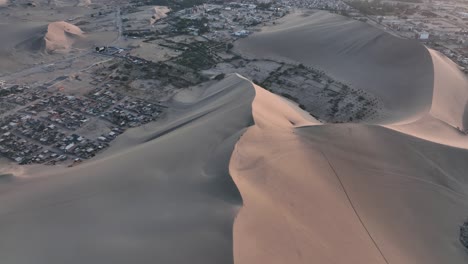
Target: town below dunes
<point x="350" y="146"/>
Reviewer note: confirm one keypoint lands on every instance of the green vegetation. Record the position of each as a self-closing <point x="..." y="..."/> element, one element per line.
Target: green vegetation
<point x="183" y="25"/>
<point x="219" y="77"/>
<point x="200" y="55"/>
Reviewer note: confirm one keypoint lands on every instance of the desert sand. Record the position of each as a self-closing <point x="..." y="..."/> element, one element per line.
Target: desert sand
<point x="392" y="192"/>
<point x="61" y="36"/>
<point x="158" y="13"/>
<point x="166" y="199"/>
<point x="348" y="193"/>
<point x="236" y="174"/>
<point x="398" y="71"/>
<point x="311" y="192"/>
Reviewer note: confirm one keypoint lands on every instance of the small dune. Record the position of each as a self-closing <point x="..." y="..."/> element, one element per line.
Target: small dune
<point x="61" y="36"/>
<point x="158" y="13"/>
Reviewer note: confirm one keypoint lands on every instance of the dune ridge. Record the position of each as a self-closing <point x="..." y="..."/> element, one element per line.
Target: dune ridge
<point x="353" y="53"/>
<point x="390" y="192"/>
<point x="168" y="198"/>
<point x="446" y="120"/>
<point x="344" y="193"/>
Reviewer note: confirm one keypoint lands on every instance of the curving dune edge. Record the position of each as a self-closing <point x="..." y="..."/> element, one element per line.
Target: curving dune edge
<point x="348" y="193"/>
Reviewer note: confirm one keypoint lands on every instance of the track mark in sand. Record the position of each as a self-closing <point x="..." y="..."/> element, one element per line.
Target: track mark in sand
<point x="352" y="206"/>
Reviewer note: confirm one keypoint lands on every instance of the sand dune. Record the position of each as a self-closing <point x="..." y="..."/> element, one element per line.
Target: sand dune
<point x="446" y="121"/>
<point x="344" y="193"/>
<point x="83" y="2"/>
<point x="168" y="199"/>
<point x="355" y="193"/>
<point x="354" y="53"/>
<point x="158" y="13"/>
<point x="312" y="193"/>
<point x="61" y="36"/>
<point x="56" y="37"/>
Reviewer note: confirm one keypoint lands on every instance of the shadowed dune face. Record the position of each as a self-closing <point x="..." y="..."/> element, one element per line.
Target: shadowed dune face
<point x="397" y="71"/>
<point x="167" y="200"/>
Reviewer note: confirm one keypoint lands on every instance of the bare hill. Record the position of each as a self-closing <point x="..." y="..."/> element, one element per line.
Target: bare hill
<point x="61" y="36"/>
<point x="56" y="37"/>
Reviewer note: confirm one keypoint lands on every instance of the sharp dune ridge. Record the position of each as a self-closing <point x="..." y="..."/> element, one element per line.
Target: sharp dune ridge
<point x="168" y="199"/>
<point x="304" y="198"/>
<point x="345" y="193"/>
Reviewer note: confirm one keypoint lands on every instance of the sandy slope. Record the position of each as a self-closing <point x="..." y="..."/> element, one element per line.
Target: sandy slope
<point x="344" y="193"/>
<point x="61" y="36"/>
<point x="354" y="53"/>
<point x="355" y="193"/>
<point x="158" y="13"/>
<point x="168" y="199"/>
<point x="447" y="119"/>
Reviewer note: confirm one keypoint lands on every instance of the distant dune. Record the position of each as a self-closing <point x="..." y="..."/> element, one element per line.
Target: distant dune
<point x="354" y="53"/>
<point x="83" y="2"/>
<point x="61" y="36"/>
<point x="158" y="13"/>
<point x="56" y="37"/>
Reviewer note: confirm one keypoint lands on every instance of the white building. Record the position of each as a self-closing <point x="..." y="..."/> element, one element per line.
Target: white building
<point x="423" y="36"/>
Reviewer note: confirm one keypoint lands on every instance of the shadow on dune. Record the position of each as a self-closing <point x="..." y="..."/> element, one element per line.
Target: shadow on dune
<point x="169" y="199"/>
<point x="465" y="118"/>
<point x="397" y="71"/>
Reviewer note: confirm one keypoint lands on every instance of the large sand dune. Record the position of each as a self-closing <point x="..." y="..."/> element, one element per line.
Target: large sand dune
<point x="55" y="37"/>
<point x="344" y="193"/>
<point x="354" y="53"/>
<point x="355" y="193"/>
<point x="312" y="193"/>
<point x="168" y="199"/>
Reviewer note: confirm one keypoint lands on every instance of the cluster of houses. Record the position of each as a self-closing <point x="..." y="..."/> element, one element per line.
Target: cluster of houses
<point x="234" y="19"/>
<point x="45" y="130"/>
<point x="464" y="234"/>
